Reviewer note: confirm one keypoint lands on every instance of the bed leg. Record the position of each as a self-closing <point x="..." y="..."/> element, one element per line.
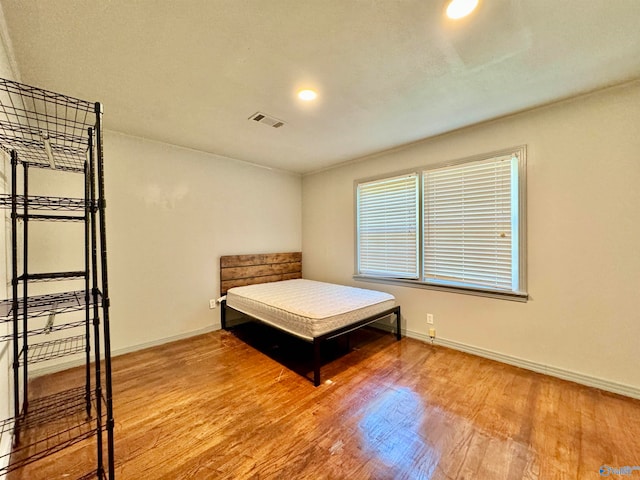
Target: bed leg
<point x="223" y="314"/>
<point x="398" y="331"/>
<point x="316" y="362"/>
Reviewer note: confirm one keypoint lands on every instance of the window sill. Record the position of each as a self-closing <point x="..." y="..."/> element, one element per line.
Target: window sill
<point x="514" y="297"/>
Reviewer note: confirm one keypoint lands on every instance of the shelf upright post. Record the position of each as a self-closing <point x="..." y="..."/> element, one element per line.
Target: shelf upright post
<point x="87" y="293"/>
<point x="105" y="288"/>
<point x="95" y="292"/>
<point x="14" y="288"/>
<point x="25" y="289"/>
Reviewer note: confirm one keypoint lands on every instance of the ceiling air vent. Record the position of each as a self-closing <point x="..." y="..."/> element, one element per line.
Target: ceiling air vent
<point x="266" y="119"/>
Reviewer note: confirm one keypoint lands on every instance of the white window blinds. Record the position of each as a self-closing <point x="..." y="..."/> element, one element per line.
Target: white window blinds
<point x="387" y="234"/>
<point x="470" y="224"/>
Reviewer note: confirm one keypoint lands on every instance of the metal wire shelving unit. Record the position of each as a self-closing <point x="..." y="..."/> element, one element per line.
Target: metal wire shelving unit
<point x="46" y="130"/>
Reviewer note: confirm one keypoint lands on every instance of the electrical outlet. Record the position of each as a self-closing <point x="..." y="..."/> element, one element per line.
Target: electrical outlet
<point x="212" y="303"/>
<point x="430" y="318"/>
<point x="432" y="332"/>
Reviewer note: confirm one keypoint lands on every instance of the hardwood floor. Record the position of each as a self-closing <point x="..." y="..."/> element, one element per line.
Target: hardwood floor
<point x="219" y="406"/>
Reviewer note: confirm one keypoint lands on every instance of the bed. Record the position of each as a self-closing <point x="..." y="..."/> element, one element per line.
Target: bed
<point x="269" y="288"/>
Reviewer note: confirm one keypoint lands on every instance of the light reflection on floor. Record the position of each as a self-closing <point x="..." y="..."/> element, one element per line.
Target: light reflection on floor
<point x="391" y="430"/>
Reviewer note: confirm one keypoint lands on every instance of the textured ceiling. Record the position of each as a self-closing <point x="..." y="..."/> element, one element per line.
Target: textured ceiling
<point x="388" y="72"/>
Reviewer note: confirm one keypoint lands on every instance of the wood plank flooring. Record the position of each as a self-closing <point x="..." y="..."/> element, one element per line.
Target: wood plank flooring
<point x="236" y="406"/>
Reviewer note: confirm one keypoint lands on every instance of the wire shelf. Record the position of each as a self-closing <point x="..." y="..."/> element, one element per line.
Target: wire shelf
<point x="51" y="424"/>
<point x="47" y="203"/>
<point x="52" y="408"/>
<point x="53" y="276"/>
<point x="52" y="218"/>
<point x="62" y="347"/>
<point x="46" y="129"/>
<point x="42" y="305"/>
<point x="47" y="330"/>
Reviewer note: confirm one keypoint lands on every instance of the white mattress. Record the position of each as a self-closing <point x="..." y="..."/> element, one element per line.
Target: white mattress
<point x="307" y="308"/>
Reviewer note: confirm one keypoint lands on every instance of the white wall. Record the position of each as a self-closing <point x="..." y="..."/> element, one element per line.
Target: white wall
<point x="171" y="213"/>
<point x="7" y="70"/>
<point x="6" y="351"/>
<point x="582" y="319"/>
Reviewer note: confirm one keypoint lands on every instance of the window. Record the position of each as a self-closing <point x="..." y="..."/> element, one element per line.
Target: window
<point x="388" y="227"/>
<point x="459" y="226"/>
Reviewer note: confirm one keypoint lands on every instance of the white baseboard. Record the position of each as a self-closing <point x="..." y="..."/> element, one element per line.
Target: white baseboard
<point x="6" y="442"/>
<point x="58" y="367"/>
<point x="588" y="380"/>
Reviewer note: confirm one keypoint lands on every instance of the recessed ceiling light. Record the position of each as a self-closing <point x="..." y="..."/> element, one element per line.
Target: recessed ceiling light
<point x="307" y="95"/>
<point x="460" y="8"/>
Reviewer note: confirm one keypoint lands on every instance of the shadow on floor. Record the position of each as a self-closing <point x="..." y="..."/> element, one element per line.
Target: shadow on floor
<point x="296" y="354"/>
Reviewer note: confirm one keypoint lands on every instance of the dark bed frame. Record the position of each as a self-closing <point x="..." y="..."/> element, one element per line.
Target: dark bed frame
<point x="240" y="270"/>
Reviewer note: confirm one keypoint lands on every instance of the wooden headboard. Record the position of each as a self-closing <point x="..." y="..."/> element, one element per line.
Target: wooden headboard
<point x="240" y="270"/>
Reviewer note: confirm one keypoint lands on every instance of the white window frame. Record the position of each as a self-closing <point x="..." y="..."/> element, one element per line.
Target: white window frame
<point x="518" y="231"/>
